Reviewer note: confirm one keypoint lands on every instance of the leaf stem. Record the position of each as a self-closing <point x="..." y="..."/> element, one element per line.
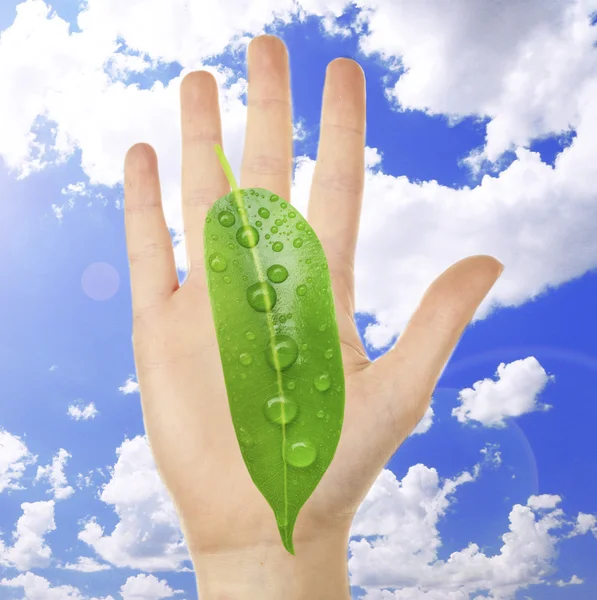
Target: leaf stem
<point x="226" y="166"/>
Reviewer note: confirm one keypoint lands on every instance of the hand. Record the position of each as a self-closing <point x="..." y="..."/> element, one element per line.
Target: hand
<point x="229" y="526"/>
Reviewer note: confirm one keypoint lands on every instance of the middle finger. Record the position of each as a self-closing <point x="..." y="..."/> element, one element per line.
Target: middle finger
<point x="267" y="156"/>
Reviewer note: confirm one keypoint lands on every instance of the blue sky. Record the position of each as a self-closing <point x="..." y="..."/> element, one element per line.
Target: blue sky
<point x="62" y="348"/>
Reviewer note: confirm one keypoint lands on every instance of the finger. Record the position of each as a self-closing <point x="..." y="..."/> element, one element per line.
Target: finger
<point x="203" y="179"/>
<point x="338" y="182"/>
<point x="267" y="156"/>
<point x="423" y="349"/>
<point x="149" y="245"/>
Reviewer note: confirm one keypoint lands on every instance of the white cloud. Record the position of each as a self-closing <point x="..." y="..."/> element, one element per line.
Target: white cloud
<point x="466" y="63"/>
<point x="29" y="549"/>
<point x="39" y="588"/>
<point x="54" y="474"/>
<point x="130" y="386"/>
<point x="574" y="580"/>
<point x="399" y="560"/>
<point x="14" y="459"/>
<point x="85" y="564"/>
<point x="515" y="393"/>
<point x="147" y="587"/>
<point x="543" y="502"/>
<point x="79" y="412"/>
<point x="148" y="534"/>
<point x="424" y="425"/>
<point x="584" y="524"/>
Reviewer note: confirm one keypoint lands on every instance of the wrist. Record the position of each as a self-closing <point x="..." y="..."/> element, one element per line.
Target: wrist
<point x="318" y="571"/>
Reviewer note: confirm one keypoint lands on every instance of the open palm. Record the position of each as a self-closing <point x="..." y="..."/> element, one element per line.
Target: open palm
<point x="185" y="406"/>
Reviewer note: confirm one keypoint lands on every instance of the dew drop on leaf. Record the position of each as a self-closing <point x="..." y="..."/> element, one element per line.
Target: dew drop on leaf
<point x="226" y="218"/>
<point x="245" y="359"/>
<point x="283" y="205"/>
<point x="274" y="197"/>
<point x="247" y="236"/>
<point x="301" y="290"/>
<point x="320" y="414"/>
<point x="300" y="226"/>
<point x="328" y="353"/>
<point x="281" y="410"/>
<point x="277" y="246"/>
<point x="286" y="351"/>
<point x="291" y="385"/>
<point x="261" y="296"/>
<point x="217" y="263"/>
<point x="298" y="242"/>
<point x="263" y="212"/>
<point x="250" y="335"/>
<point x="279" y="222"/>
<point x="277" y="273"/>
<point x="245" y="437"/>
<point x="274" y="229"/>
<point x="322" y="382"/>
<point x="292" y="214"/>
<point x="300" y="454"/>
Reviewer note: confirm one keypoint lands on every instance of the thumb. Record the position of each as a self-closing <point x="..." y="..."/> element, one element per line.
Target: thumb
<point x="420" y="355"/>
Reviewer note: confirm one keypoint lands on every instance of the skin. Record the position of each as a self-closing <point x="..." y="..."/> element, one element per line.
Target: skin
<point x="228" y="525"/>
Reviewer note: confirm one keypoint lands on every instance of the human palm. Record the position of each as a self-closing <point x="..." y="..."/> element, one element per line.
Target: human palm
<point x="184" y="401"/>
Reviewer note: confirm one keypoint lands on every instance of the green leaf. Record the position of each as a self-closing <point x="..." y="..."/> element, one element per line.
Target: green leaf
<point x="272" y="303"/>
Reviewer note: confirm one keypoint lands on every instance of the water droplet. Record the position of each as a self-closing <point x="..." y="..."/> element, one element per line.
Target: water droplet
<point x="214" y="237"/>
<point x="263" y="212"/>
<point x="217" y="263"/>
<point x="301" y="290"/>
<point x="322" y="382"/>
<point x="328" y="353"/>
<point x="274" y="197"/>
<point x="308" y="261"/>
<point x="277" y="273"/>
<point x="320" y="414"/>
<point x="250" y="335"/>
<point x="291" y="385"/>
<point x="277" y="246"/>
<point x="231" y="246"/>
<point x="245" y="437"/>
<point x="300" y="454"/>
<point x="258" y="223"/>
<point x="298" y="242"/>
<point x="208" y="219"/>
<point x="282" y="319"/>
<point x="300" y="225"/>
<point x="274" y="229"/>
<point x="226" y="218"/>
<point x="235" y="262"/>
<point x="323" y="327"/>
<point x="247" y="236"/>
<point x="292" y="214"/>
<point x="284" y="219"/>
<point x="283" y="204"/>
<point x="261" y="296"/>
<point x="304" y="346"/>
<point x="309" y="279"/>
<point x="285" y="350"/>
<point x="280" y="410"/>
<point x="267" y="236"/>
<point x="279" y="222"/>
<point x="227" y="279"/>
<point x="245" y="359"/>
